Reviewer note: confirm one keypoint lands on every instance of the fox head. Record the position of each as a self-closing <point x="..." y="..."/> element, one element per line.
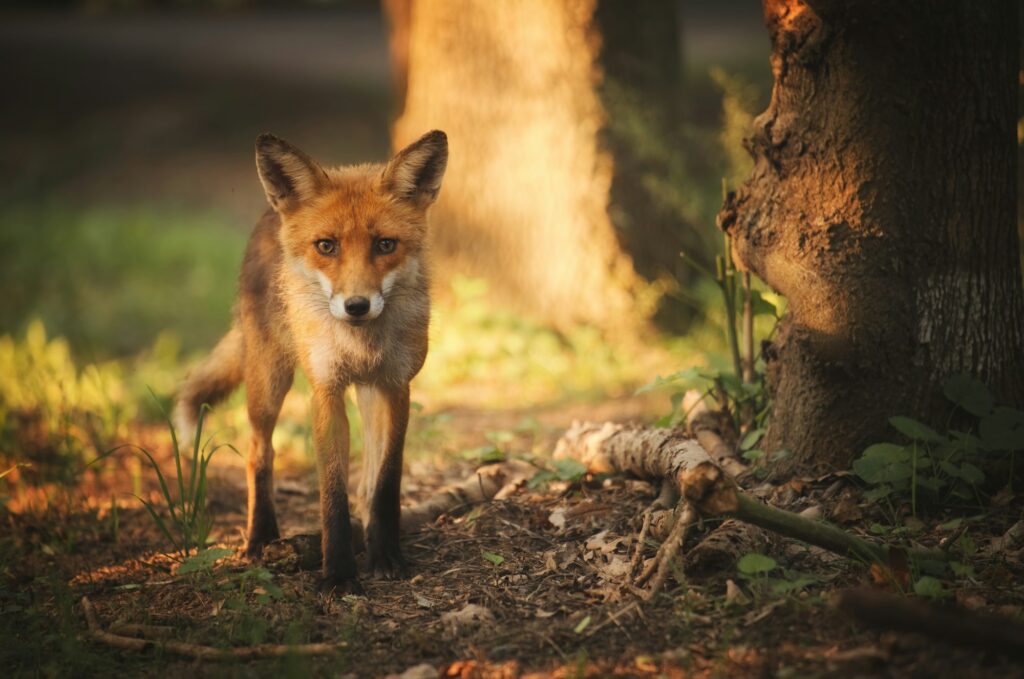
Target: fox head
<point x="354" y="233"/>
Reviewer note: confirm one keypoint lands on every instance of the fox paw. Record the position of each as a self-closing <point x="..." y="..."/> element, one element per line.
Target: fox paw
<point x="260" y="538"/>
<point x="388" y="564"/>
<point x="338" y="586"/>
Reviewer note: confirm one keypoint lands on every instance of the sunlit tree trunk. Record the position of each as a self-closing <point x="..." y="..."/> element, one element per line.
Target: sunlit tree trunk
<point x="525" y="198"/>
<point x="882" y="205"/>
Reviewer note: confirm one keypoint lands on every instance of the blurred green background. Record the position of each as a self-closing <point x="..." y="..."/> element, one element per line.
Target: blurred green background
<point x="129" y="190"/>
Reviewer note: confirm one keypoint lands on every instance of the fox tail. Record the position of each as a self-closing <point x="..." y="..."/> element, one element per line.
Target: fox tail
<point x="210" y="382"/>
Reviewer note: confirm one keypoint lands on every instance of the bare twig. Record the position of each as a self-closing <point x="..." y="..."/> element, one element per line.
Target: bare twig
<point x="96" y="633"/>
<point x="144" y="631"/>
<point x="669" y="549"/>
<point x="702" y="424"/>
<point x="638" y="553"/>
<point x="748" y="330"/>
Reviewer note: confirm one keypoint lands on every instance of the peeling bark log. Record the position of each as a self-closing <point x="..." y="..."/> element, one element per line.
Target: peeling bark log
<point x="655" y="454"/>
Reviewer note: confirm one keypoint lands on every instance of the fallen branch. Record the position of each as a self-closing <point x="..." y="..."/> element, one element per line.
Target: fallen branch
<point x="702" y="423"/>
<point x="723" y="546"/>
<point x="302" y="551"/>
<point x="199" y="652"/>
<point x="953" y="625"/>
<point x="655" y="454"/>
<point x="484" y="485"/>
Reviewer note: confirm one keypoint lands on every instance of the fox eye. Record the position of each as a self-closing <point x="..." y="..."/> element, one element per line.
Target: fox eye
<point x="386" y="246"/>
<point x="326" y="247"/>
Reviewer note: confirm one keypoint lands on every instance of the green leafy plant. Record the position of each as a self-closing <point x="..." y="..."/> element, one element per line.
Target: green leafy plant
<point x="934" y="467"/>
<point x="204" y="560"/>
<point x="755" y="568"/>
<point x="566" y="469"/>
<point x="53" y="413"/>
<point x="189" y="522"/>
<point x="930" y="587"/>
<point x="496" y="559"/>
<point x="741" y="390"/>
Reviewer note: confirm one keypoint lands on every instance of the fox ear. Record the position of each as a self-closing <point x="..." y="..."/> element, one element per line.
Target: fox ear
<point x="288" y="175"/>
<point x="415" y="173"/>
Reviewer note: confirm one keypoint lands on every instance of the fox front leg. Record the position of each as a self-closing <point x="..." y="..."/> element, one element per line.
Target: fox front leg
<point x="385" y="413"/>
<point x="331" y="440"/>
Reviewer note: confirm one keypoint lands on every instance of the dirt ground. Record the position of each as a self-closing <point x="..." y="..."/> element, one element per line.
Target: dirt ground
<point x="530" y="585"/>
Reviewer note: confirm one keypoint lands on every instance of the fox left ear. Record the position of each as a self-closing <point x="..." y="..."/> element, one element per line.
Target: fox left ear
<point x="415" y="173"/>
<point x="288" y="175"/>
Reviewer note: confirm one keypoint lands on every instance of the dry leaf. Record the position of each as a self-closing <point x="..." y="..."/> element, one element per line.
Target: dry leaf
<point x="600" y="543"/>
<point x="471" y="615"/>
<point x="614" y="570"/>
<point x="735" y="595"/>
<point x="557" y="518"/>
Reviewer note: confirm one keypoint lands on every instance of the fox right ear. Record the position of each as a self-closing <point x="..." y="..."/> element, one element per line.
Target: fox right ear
<point x="288" y="175"/>
<point x="415" y="173"/>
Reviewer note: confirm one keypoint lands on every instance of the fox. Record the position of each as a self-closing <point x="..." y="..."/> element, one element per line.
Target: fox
<point x="335" y="280"/>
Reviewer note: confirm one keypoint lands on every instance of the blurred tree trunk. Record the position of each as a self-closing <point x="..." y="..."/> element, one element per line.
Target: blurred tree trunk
<point x="641" y="59"/>
<point x="882" y="205"/>
<point x="525" y="198"/>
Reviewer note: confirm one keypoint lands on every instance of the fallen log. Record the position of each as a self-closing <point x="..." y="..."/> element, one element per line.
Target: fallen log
<point x="655" y="454"/>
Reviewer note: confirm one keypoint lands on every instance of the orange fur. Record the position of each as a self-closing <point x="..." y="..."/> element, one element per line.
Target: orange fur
<point x="336" y="280"/>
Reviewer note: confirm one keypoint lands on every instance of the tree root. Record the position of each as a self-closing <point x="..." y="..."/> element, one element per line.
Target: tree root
<point x="659" y="565"/>
<point x="199" y="652"/>
<point x="952" y="625"/>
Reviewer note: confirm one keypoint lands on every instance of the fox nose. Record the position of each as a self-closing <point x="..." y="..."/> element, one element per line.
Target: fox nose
<point x="357" y="306"/>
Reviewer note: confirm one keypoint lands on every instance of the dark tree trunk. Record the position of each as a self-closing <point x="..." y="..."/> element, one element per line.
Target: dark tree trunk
<point x="641" y="63"/>
<point x="883" y="205"/>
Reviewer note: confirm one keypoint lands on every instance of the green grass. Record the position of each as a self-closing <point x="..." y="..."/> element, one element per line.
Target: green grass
<point x="112" y="279"/>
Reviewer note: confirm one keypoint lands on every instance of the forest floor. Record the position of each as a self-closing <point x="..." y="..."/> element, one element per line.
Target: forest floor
<point x="529" y="585"/>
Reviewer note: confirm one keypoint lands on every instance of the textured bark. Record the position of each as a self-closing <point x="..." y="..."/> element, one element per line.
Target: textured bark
<point x="882" y="205"/>
<point x="526" y="191"/>
<point x="653" y="454"/>
<point x="483" y="486"/>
